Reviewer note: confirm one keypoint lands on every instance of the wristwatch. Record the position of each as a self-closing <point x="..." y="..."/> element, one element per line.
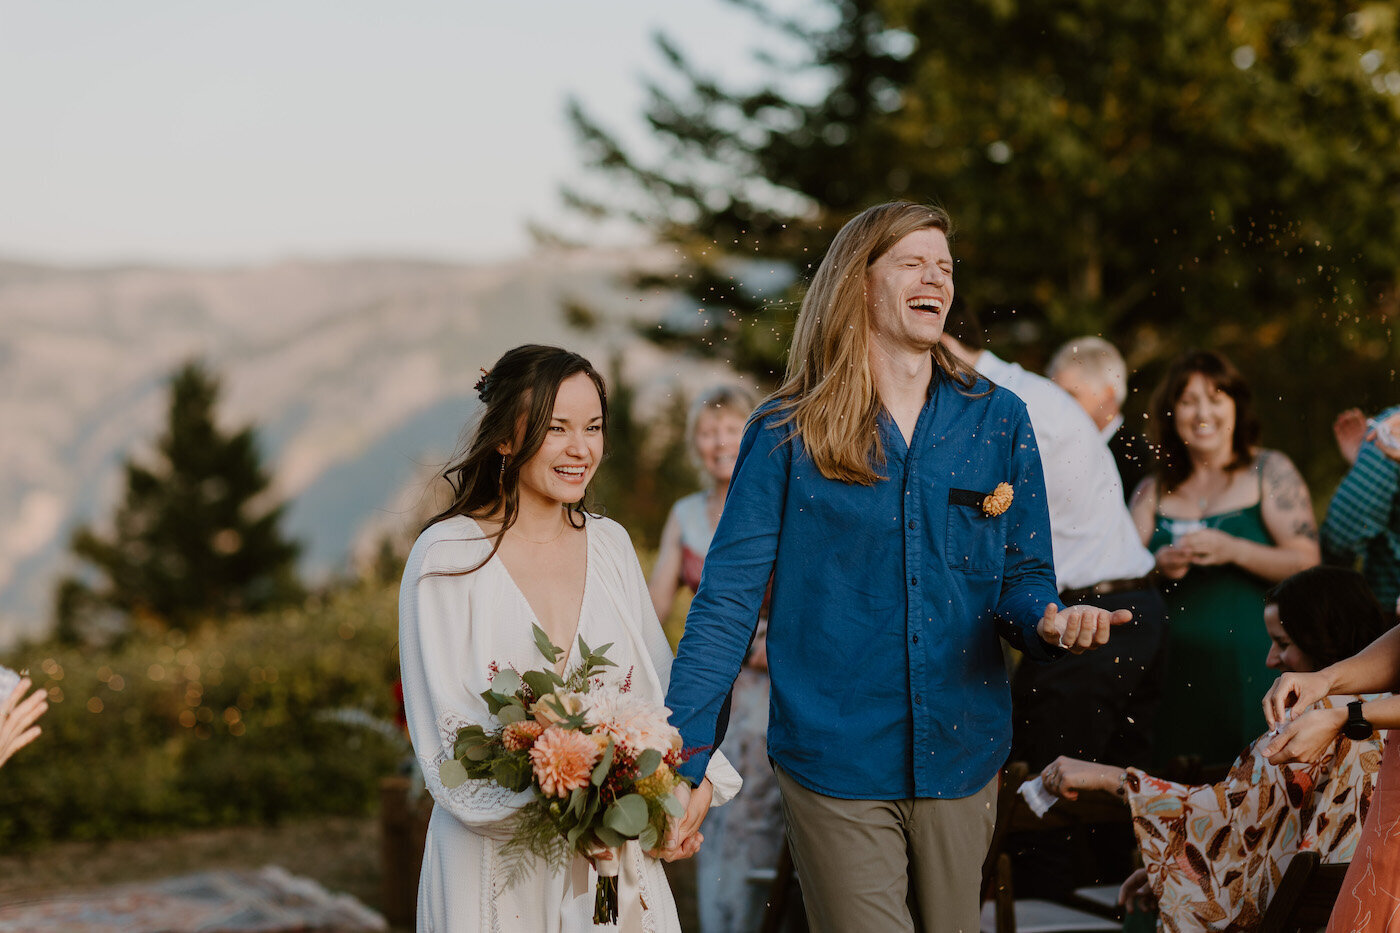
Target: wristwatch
<point x="1357" y="727"/>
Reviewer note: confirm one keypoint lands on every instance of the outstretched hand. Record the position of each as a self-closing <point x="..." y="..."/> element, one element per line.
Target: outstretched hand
<point x="1079" y="628"/>
<point x="17" y="717"/>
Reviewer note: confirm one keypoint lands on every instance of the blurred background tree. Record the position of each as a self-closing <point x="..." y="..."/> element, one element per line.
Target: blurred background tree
<point x="1165" y="173"/>
<point x="194" y="536"/>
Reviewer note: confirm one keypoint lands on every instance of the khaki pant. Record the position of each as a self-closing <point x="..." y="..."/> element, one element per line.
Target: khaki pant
<point x="889" y="866"/>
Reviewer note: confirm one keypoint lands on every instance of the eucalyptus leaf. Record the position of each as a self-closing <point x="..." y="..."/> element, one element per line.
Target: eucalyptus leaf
<point x="506" y="682"/>
<point x="546" y="647"/>
<point x="627" y="816"/>
<point x="541" y="682"/>
<point x="578" y="800"/>
<point x="478" y="753"/>
<point x="649" y="838"/>
<point x="672" y="806"/>
<point x="647" y="763"/>
<point x="452" y="773"/>
<point x="512" y="713"/>
<point x="574" y="834"/>
<point x="610" y="837"/>
<point x="600" y="770"/>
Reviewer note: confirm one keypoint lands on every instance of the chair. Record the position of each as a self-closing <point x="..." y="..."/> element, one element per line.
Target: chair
<point x="1305" y="896"/>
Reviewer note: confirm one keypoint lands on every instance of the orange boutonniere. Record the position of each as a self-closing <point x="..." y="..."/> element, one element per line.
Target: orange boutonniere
<point x="999" y="501"/>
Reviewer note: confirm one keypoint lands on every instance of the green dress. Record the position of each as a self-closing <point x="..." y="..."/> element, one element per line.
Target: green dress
<point x="1216" y="647"/>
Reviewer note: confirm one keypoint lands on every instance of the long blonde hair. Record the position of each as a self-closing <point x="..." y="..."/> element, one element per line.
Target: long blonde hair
<point x="828" y="393"/>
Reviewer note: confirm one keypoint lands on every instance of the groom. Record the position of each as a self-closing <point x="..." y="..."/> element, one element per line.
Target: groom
<point x="897" y="500"/>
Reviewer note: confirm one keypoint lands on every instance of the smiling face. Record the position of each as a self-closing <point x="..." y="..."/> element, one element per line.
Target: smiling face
<point x="908" y="291"/>
<point x="559" y="471"/>
<point x="718" y="432"/>
<point x="1204" y="416"/>
<point x="1284" y="655"/>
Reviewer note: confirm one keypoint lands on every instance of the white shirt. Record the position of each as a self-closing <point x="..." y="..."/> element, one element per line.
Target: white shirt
<point x="1090" y="527"/>
<point x="1109" y="429"/>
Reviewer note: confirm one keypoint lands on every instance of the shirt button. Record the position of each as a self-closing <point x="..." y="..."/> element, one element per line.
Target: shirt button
<point x="918" y="699"/>
<point x="913" y="581"/>
<point x="913" y="524"/>
<point x="916" y="639"/>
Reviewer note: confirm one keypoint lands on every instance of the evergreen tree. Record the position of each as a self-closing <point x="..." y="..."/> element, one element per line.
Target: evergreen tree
<point x="193" y="537"/>
<point x="1164" y="172"/>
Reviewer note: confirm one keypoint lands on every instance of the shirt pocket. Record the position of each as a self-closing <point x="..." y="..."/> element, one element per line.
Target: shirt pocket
<point x="976" y="541"/>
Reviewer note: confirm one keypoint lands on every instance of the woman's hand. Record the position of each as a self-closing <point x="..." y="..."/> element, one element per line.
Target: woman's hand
<point x="1306" y="739"/>
<point x="1173" y="561"/>
<point x="1066" y="777"/>
<point x="1209" y="547"/>
<point x="1136" y="895"/>
<point x="683" y="837"/>
<point x="758" y="655"/>
<point x="1294" y="690"/>
<point x="17" y="717"/>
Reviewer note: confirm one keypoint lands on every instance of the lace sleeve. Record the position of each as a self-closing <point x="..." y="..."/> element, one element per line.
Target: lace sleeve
<point x="485" y="806"/>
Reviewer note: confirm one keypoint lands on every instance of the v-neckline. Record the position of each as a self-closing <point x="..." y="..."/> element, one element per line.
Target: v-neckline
<point x="582" y="604"/>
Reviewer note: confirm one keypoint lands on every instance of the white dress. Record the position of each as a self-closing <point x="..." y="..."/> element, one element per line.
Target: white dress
<point x="451" y="628"/>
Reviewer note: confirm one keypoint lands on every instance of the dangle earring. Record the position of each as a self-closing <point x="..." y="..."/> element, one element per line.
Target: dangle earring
<point x="501" y="483"/>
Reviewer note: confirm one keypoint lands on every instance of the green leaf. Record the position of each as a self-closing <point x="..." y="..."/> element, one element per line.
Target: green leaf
<point x="574" y="834"/>
<point x="627" y="816"/>
<point x="609" y="837"/>
<point x="547" y="648"/>
<point x="512" y="713"/>
<point x="577" y="800"/>
<point x="506" y="682"/>
<point x="600" y="770"/>
<point x="647" y="763"/>
<point x="649" y="838"/>
<point x="452" y="774"/>
<point x="583" y="651"/>
<point x="541" y="682"/>
<point x="672" y="806"/>
<point x="478" y="753"/>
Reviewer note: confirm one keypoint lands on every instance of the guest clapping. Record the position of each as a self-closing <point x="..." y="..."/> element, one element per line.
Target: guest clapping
<point x="1224" y="519"/>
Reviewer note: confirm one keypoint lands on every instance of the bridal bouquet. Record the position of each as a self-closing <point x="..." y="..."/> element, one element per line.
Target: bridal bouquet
<point x="599" y="761"/>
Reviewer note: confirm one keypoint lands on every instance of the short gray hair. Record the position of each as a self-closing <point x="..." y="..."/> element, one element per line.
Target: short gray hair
<point x="726" y="397"/>
<point x="1097" y="360"/>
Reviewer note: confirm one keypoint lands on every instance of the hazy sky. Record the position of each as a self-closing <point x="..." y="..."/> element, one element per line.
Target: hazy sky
<point x="180" y="130"/>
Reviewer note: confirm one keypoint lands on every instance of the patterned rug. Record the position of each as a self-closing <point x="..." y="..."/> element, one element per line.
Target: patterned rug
<point x="265" y="901"/>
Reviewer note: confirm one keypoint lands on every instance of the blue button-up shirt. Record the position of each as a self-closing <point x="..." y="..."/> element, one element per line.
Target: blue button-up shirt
<point x="887" y="677"/>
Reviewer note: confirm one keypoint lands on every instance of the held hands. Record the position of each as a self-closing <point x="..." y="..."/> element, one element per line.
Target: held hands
<point x="683" y="837"/>
<point x="1173" y="561"/>
<point x="1079" y="628"/>
<point x="1207" y="547"/>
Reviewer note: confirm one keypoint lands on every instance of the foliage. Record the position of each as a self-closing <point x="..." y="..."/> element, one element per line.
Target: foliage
<point x="193" y="538"/>
<point x="1166" y="173"/>
<point x="256" y="719"/>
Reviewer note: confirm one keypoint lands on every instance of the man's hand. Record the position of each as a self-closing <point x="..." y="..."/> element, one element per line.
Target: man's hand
<point x="1350" y="430"/>
<point x="17" y="717"/>
<point x="1386" y="437"/>
<point x="1293" y="691"/>
<point x="1079" y="628"/>
<point x="683" y="836"/>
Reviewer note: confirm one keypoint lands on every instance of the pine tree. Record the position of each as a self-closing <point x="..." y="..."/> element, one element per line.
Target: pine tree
<point x="193" y="537"/>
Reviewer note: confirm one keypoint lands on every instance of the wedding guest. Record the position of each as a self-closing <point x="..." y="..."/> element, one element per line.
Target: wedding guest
<point x="1100" y="706"/>
<point x="516" y="550"/>
<point x="1308" y="728"/>
<point x="1212" y="853"/>
<point x="1363" y="518"/>
<point x="748" y="833"/>
<point x="896" y="501"/>
<point x="1224" y="518"/>
<point x="18" y="715"/>
<point x="1092" y="370"/>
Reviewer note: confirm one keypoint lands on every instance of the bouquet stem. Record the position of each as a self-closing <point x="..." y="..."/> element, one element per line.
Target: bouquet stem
<point x="605" y="901"/>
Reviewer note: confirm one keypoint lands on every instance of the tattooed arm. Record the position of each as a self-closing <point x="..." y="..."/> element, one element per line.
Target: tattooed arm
<point x="1288" y="516"/>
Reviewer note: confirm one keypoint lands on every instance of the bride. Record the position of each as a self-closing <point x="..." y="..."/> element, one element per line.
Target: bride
<point x="515" y="547"/>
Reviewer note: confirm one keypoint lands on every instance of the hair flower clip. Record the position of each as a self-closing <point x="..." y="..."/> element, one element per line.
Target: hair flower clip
<point x="999" y="500"/>
<point x="482" y="385"/>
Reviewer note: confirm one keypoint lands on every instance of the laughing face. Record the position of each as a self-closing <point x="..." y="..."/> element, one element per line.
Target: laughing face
<point x="1204" y="416"/>
<point x="908" y="292"/>
<point x="560" y="470"/>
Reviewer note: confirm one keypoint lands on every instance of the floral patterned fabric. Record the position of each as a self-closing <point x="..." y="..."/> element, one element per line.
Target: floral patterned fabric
<point x="1214" y="853"/>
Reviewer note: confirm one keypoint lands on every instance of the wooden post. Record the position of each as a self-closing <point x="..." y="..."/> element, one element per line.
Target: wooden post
<point x="403" y="828"/>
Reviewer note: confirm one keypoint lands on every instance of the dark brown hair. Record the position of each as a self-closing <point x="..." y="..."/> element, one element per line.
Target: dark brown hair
<point x="1329" y="612"/>
<point x="1173" y="463"/>
<point x="519" y="394"/>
